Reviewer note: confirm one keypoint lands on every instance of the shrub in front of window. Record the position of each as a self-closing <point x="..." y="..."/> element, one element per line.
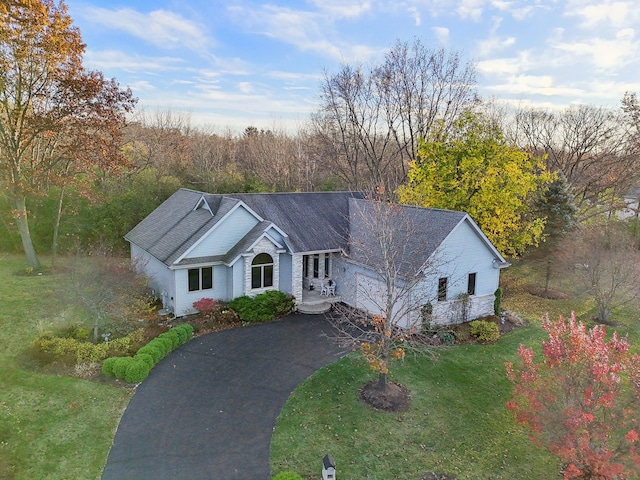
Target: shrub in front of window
<point x="262" y="307"/>
<point x="205" y="306"/>
<point x="484" y="332"/>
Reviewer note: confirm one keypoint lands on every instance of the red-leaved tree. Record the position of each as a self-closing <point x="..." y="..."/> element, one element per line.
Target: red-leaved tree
<point x="582" y="400"/>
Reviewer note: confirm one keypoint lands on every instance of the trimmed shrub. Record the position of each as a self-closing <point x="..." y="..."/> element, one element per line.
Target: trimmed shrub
<point x="263" y="307"/>
<point x="287" y="476"/>
<point x="146" y="358"/>
<point x="185" y="327"/>
<point x="183" y="335"/>
<point x="173" y="337"/>
<point x="484" y="332"/>
<point x="446" y="338"/>
<point x="205" y="306"/>
<point x="136" y="371"/>
<point x="120" y="366"/>
<point x="150" y="349"/>
<point x="107" y="366"/>
<point x="497" y="302"/>
<point x="243" y="306"/>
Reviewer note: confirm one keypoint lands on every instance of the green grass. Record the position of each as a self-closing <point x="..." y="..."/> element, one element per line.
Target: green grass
<point x="51" y="427"/>
<point x="457" y="424"/>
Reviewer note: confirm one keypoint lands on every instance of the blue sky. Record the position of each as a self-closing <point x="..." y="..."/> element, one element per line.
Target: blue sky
<point x="234" y="63"/>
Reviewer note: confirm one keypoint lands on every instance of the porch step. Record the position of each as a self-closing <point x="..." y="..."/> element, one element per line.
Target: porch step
<point x="314" y="308"/>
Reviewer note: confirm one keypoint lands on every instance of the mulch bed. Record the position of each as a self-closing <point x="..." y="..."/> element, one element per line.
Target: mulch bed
<point x="393" y="398"/>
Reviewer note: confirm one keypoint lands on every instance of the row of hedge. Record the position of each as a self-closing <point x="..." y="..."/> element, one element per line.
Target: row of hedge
<point x="135" y="369"/>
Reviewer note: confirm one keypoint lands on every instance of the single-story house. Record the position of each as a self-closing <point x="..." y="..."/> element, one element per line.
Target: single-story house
<point x="221" y="246"/>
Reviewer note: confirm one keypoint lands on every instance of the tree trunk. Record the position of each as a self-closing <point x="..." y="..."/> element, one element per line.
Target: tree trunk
<point x="382" y="381"/>
<point x="19" y="206"/>
<point x="547" y="277"/>
<point x="56" y="230"/>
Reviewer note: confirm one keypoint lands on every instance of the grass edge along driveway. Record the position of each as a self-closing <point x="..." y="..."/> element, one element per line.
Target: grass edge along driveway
<point x="457" y="424"/>
<point x="51" y="427"/>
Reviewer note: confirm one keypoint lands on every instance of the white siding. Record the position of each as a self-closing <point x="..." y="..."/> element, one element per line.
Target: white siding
<point x="185" y="298"/>
<point x="226" y="234"/>
<point x="160" y="277"/>
<point x="463" y="252"/>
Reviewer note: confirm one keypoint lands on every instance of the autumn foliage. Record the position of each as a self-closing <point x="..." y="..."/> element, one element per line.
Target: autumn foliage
<point x="581" y="401"/>
<point x="379" y="350"/>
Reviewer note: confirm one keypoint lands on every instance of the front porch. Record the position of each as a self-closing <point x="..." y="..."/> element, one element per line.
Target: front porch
<point x="314" y="303"/>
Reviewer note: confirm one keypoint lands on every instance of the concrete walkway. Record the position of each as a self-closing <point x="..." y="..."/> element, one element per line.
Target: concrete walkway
<point x="207" y="411"/>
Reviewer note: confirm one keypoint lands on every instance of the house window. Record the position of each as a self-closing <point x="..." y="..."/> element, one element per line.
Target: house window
<point x="262" y="271"/>
<point x="327" y="273"/>
<point x="442" y="289"/>
<point x="316" y="266"/>
<point x="471" y="284"/>
<point x="200" y="278"/>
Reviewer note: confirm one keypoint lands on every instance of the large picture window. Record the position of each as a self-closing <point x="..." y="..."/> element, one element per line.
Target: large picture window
<point x="262" y="271"/>
<point x="200" y="279"/>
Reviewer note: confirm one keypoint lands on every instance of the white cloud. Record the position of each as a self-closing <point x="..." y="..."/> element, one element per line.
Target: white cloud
<point x="605" y="54"/>
<point x="342" y="8"/>
<point x="117" y="60"/>
<point x="596" y="13"/>
<point x="415" y="13"/>
<point x="307" y="31"/>
<point x="534" y="85"/>
<point x="470" y="9"/>
<point x="441" y="33"/>
<point x="161" y="28"/>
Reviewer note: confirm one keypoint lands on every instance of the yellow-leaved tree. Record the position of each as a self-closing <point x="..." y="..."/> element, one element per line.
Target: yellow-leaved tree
<point x="471" y="167"/>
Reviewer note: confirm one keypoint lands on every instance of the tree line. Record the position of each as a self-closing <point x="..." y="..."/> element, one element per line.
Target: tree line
<point x="80" y="167"/>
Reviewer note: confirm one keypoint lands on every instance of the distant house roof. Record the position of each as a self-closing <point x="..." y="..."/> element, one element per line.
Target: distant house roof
<point x="311" y="222"/>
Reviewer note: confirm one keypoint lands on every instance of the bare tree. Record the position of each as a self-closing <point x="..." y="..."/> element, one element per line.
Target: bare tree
<point x="372" y="121"/>
<point x="389" y="241"/>
<point x="607" y="263"/>
<point x="589" y="145"/>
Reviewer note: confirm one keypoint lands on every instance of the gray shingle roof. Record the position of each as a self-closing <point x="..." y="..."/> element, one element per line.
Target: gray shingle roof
<point x="409" y="234"/>
<point x="313" y="221"/>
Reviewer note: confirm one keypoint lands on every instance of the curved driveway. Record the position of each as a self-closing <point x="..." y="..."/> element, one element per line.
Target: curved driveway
<point x="207" y="411"/>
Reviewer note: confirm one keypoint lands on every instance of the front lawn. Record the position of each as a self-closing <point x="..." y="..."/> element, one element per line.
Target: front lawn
<point x="51" y="427"/>
<point x="457" y="423"/>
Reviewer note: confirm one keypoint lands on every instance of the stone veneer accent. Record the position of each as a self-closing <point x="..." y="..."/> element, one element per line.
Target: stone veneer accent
<point x="263" y="246"/>
<point x="296" y="276"/>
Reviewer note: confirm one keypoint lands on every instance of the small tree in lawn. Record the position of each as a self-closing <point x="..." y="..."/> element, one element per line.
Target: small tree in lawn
<point x="608" y="265"/>
<point x="581" y="401"/>
<point x="383" y="237"/>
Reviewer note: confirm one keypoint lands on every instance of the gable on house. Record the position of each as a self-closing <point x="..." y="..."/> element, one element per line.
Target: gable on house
<point x="197" y="245"/>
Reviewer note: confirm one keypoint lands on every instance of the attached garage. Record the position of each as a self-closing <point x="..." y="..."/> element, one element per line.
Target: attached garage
<point x="371" y="295"/>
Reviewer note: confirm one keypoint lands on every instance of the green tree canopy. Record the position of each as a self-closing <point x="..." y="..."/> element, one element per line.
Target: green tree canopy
<point x="472" y="168"/>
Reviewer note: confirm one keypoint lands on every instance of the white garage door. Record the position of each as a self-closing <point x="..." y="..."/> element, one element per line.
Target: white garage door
<point x="371" y="297"/>
<point x="370" y="294"/>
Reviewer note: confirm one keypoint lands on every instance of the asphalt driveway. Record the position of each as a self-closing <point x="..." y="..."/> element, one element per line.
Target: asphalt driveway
<point x="207" y="410"/>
